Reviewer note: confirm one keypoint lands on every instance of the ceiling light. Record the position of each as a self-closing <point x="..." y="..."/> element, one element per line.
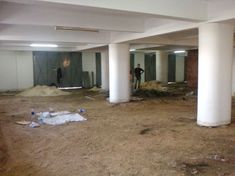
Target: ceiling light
<point x="132" y="49"/>
<point x="76" y="29"/>
<point x="43" y="45"/>
<point x="180" y="51"/>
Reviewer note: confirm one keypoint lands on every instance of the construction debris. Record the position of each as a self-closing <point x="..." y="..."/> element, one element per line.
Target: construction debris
<point x="150" y="93"/>
<point x="95" y="89"/>
<point x="81" y="110"/>
<point x="150" y="85"/>
<point x="89" y="98"/>
<point x="191" y="93"/>
<point x="136" y="99"/>
<point x="217" y="158"/>
<point x="23" y="122"/>
<point x="34" y="125"/>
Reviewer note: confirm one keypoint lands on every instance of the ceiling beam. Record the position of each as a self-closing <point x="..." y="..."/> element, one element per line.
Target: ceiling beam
<point x="49" y="34"/>
<point x="32" y="14"/>
<point x="182" y="9"/>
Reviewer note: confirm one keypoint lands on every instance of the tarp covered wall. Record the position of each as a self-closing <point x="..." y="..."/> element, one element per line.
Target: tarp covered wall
<point x="47" y="65"/>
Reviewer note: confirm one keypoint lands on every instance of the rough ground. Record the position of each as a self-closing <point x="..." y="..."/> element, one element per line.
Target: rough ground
<point x="154" y="137"/>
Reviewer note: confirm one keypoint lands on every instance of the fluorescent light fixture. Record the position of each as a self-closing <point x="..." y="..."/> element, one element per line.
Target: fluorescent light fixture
<point x="70" y="28"/>
<point x="180" y="51"/>
<point x="132" y="49"/>
<point x="43" y="45"/>
<point x="69" y="88"/>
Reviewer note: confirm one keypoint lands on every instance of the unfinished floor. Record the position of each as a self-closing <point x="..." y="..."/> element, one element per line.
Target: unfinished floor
<point x="153" y="137"/>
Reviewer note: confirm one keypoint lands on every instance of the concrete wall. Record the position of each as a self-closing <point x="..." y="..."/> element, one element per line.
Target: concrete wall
<point x="139" y="59"/>
<point x="16" y="70"/>
<point x="179" y="70"/>
<point x="24" y="69"/>
<point x="89" y="63"/>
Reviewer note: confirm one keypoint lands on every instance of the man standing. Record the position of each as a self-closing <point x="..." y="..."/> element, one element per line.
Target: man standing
<point x="138" y="72"/>
<point x="59" y="76"/>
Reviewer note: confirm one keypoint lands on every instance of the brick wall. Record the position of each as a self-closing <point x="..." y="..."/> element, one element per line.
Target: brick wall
<point x="192" y="69"/>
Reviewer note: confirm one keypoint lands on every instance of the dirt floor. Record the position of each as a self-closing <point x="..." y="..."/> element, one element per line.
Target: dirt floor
<point x="153" y="137"/>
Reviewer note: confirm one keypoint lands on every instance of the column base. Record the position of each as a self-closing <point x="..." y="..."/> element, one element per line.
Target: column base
<point x="119" y="101"/>
<point x="215" y="124"/>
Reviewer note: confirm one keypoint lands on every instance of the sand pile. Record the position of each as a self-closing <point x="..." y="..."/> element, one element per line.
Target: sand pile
<point x="95" y="89"/>
<point x="43" y="91"/>
<point x="153" y="85"/>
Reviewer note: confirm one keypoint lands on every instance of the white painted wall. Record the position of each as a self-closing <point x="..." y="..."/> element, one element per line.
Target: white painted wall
<point x="105" y="70"/>
<point x="8" y="77"/>
<point x="179" y="71"/>
<point x="24" y="64"/>
<point x="139" y="59"/>
<point x="89" y="63"/>
<point x="16" y="70"/>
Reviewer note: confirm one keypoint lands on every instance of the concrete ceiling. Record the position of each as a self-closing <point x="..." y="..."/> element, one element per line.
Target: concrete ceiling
<point x="155" y="24"/>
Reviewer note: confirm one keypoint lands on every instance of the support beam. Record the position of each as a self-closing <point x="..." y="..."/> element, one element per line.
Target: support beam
<point x="119" y="68"/>
<point x="193" y="10"/>
<point x="48" y="34"/>
<point x="162" y="66"/>
<point x="215" y="72"/>
<point x="70" y="16"/>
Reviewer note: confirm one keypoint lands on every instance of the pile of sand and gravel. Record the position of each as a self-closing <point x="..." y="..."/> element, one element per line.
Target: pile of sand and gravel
<point x="153" y="85"/>
<point x="42" y="91"/>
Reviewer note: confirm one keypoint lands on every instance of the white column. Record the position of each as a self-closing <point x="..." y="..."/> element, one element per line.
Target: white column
<point x="162" y="66"/>
<point x="179" y="68"/>
<point x="119" y="71"/>
<point x="105" y="70"/>
<point x="215" y="72"/>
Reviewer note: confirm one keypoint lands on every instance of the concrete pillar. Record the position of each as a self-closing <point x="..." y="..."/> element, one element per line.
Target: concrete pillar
<point x="162" y="66"/>
<point x="119" y="71"/>
<point x="105" y="70"/>
<point x="215" y="72"/>
<point x="179" y="67"/>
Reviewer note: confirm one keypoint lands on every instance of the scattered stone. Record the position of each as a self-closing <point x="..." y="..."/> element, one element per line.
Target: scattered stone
<point x="145" y="131"/>
<point x="217" y="158"/>
<point x="136" y="99"/>
<point x="193" y="168"/>
<point x="194" y="171"/>
<point x="34" y="125"/>
<point x="89" y="98"/>
<point x="189" y="94"/>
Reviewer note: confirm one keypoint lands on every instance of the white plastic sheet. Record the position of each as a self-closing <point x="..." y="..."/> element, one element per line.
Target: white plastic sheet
<point x="62" y="117"/>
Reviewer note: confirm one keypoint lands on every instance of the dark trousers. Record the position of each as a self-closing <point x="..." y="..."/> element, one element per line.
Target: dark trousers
<point x="137" y="83"/>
